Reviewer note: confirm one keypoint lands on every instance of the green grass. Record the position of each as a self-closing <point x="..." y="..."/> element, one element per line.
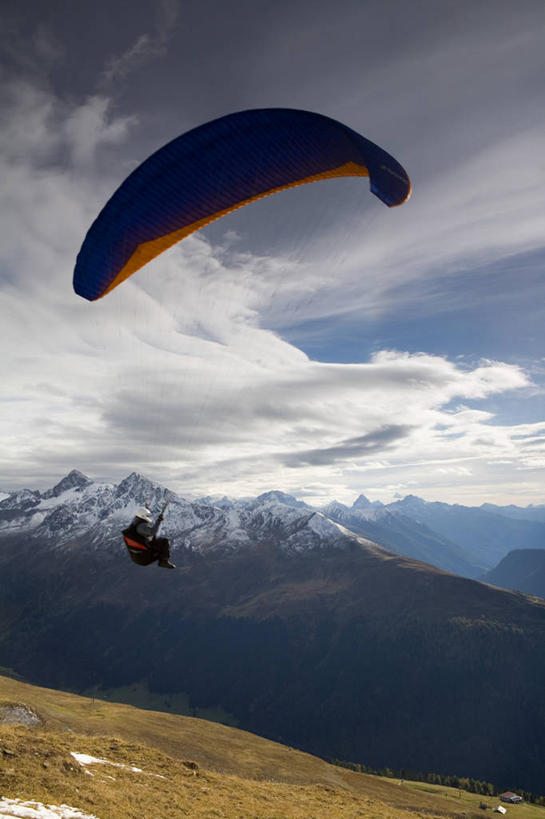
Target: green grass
<point x="210" y="769"/>
<point x="470" y="800"/>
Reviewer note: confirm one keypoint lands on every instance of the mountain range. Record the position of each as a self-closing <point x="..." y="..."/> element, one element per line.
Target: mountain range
<point x="291" y="624"/>
<point x="468" y="541"/>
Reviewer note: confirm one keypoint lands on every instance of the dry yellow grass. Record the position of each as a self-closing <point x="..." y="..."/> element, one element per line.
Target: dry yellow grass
<point x="209" y="770"/>
<point x="39" y="766"/>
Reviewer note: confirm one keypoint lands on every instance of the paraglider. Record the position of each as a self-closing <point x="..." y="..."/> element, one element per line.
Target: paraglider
<point x="201" y="176"/>
<point x="214" y="169"/>
<point x="142" y="543"/>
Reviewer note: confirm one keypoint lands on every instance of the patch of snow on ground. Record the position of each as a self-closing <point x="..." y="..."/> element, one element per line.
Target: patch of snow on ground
<point x="85" y="759"/>
<point x="17" y="809"/>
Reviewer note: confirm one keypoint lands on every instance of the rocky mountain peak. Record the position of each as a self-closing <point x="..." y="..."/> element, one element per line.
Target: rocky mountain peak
<point x="74" y="480"/>
<point x="140" y="489"/>
<point x="362" y="502"/>
<point x="409" y="502"/>
<point x="98" y="512"/>
<point x="276" y="496"/>
<point x="334" y="507"/>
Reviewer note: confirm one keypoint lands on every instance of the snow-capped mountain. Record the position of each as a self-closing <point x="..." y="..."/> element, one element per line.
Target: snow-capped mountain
<point x="362" y="503"/>
<point x="460" y="539"/>
<point x="401" y="533"/>
<point x="78" y="506"/>
<point x="463" y="540"/>
<point x="488" y="533"/>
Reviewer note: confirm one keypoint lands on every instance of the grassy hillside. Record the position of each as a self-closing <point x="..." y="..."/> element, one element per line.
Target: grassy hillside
<point x="190" y="767"/>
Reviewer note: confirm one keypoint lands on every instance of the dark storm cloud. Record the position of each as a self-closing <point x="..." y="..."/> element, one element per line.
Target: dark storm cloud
<point x="359" y="447"/>
<point x="370" y="61"/>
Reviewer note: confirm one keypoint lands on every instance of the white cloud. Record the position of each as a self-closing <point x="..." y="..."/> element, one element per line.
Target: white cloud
<point x="174" y="374"/>
<point x="88" y="127"/>
<point x="461" y="106"/>
<point x="146" y="47"/>
<point x="460" y="221"/>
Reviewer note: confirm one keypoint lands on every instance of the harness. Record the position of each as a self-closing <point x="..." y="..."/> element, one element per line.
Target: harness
<point x="138" y="549"/>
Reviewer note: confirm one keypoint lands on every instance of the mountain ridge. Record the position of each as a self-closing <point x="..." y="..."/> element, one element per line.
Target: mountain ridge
<point x="465" y="540"/>
<point x="77" y="505"/>
<point x="521" y="569"/>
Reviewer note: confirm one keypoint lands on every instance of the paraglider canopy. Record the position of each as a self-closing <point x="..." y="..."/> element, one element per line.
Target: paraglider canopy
<point x="215" y="169"/>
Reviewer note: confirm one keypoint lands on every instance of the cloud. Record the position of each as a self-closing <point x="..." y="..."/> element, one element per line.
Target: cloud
<point x="463" y="112"/>
<point x="350" y="449"/>
<point x="437" y="252"/>
<point x="30" y="50"/>
<point x="177" y="373"/>
<point x="146" y="47"/>
<point x="89" y="127"/>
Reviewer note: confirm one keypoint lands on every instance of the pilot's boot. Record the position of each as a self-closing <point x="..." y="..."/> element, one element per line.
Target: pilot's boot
<point x="164" y="563"/>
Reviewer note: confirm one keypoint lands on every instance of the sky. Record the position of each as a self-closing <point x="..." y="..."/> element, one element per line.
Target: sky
<point x="316" y="341"/>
